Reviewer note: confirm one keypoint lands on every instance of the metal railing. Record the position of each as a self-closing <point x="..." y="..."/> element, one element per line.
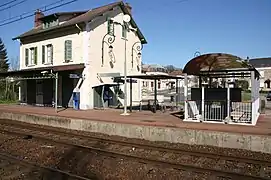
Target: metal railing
<point x="217" y="111"/>
<point x="241" y="112"/>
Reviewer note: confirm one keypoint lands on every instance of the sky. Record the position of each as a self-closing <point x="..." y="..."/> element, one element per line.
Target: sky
<point x="174" y="29"/>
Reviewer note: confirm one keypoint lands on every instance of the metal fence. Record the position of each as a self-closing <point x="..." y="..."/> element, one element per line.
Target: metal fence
<point x="217" y="111"/>
<point x="241" y="112"/>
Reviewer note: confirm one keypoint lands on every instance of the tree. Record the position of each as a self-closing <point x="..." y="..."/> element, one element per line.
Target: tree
<point x="4" y="65"/>
<point x="14" y="64"/>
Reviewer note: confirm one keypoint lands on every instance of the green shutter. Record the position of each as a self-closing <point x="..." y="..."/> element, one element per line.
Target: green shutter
<point x="110" y="27"/>
<point x="65" y="53"/>
<point x="35" y="55"/>
<point x="26" y="57"/>
<point x="124" y="32"/>
<point x="43" y="54"/>
<point x="68" y="50"/>
<point x="52" y="53"/>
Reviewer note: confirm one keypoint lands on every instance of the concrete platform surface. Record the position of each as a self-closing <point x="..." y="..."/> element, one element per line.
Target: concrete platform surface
<point x="149" y="126"/>
<point x="263" y="126"/>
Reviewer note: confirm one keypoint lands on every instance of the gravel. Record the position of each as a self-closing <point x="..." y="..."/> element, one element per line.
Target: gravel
<point x="91" y="164"/>
<point x="88" y="164"/>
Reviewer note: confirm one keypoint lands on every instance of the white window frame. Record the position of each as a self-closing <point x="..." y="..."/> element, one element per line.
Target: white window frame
<point x="66" y="59"/>
<point x="31" y="60"/>
<point x="48" y="52"/>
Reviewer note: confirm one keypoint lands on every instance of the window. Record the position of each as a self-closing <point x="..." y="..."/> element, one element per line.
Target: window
<point x="47" y="54"/>
<point x="151" y="84"/>
<point x="124" y="32"/>
<point x="26" y="57"/>
<point x="159" y="85"/>
<point x="50" y="23"/>
<point x="68" y="50"/>
<point x="31" y="57"/>
<point x="110" y="27"/>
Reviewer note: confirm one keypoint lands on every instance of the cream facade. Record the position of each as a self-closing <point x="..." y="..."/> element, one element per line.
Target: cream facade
<point x="90" y="44"/>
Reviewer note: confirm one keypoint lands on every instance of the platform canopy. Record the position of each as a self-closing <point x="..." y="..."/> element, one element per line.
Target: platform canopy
<point x="150" y="77"/>
<point x="36" y="73"/>
<point x="219" y="64"/>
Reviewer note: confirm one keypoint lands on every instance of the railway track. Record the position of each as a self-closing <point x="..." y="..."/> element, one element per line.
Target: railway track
<point x="16" y="168"/>
<point x="217" y="166"/>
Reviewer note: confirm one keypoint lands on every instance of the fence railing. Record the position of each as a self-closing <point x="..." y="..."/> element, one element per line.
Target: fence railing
<point x="241" y="112"/>
<point x="217" y="111"/>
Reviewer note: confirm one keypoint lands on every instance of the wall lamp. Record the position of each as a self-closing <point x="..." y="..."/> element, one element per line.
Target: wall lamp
<point x="108" y="39"/>
<point x="137" y="47"/>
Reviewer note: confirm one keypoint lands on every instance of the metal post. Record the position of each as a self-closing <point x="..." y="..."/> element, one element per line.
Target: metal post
<point x="56" y="91"/>
<point x="155" y="95"/>
<point x="228" y="103"/>
<point x="131" y="95"/>
<point x="177" y="93"/>
<point x="125" y="79"/>
<point x="185" y="97"/>
<point x="202" y="104"/>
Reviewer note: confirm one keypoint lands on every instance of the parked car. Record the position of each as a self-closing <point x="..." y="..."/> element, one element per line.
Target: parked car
<point x="268" y="96"/>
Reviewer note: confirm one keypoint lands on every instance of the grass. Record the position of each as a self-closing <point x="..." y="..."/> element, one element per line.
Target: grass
<point x="8" y="102"/>
<point x="246" y="96"/>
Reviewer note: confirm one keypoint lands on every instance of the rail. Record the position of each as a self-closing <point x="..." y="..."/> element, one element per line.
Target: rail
<point x="214" y="171"/>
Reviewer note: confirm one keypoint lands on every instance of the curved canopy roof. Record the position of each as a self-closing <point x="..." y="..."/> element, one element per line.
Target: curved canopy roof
<point x="216" y="62"/>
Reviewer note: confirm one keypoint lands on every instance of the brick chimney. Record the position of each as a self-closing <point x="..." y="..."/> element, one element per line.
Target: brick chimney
<point x="38" y="15"/>
<point x="129" y="7"/>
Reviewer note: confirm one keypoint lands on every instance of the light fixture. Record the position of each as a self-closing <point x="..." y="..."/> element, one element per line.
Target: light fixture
<point x="110" y="48"/>
<point x="139" y="55"/>
<point x="126" y="18"/>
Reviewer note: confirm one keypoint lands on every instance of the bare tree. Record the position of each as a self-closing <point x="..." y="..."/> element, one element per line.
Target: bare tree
<point x="14" y="64"/>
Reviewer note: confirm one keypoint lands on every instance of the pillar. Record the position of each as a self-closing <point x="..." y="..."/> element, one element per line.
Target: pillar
<point x="202" y="103"/>
<point x="185" y="97"/>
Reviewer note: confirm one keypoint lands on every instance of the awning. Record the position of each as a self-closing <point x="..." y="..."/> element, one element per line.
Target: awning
<point x="219" y="64"/>
<point x="36" y="72"/>
<point x="150" y="77"/>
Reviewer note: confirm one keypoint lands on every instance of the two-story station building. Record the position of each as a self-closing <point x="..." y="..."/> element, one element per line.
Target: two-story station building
<point x="79" y="51"/>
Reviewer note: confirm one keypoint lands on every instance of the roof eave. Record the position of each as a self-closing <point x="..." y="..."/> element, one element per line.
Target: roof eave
<point x="140" y="34"/>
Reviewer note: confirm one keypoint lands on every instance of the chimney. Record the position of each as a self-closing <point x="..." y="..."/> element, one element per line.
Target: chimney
<point x="129" y="7"/>
<point x="38" y="15"/>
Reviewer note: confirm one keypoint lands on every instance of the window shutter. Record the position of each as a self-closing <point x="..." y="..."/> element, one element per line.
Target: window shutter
<point x="124" y="32"/>
<point x="52" y="53"/>
<point x="35" y="55"/>
<point x="43" y="54"/>
<point x="26" y="57"/>
<point x="68" y="50"/>
<point x="110" y="27"/>
<point x="65" y="58"/>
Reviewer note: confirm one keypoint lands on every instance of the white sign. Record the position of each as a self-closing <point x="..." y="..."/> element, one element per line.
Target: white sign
<point x="75" y="76"/>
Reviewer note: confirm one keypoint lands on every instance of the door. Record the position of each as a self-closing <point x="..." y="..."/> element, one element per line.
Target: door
<point x="39" y="92"/>
<point x="98" y="103"/>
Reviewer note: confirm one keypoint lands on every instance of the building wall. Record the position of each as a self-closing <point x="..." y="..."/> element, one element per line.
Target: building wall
<point x="57" y="40"/>
<point x="96" y="30"/>
<point x="87" y="48"/>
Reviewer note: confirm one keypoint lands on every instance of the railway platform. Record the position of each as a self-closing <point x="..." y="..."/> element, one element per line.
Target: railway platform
<point x="149" y="126"/>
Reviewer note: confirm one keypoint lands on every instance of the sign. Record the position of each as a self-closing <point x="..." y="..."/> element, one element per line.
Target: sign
<point x="133" y="81"/>
<point x="75" y="76"/>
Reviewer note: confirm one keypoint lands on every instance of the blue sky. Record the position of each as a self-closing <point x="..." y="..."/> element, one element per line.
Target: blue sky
<point x="175" y="29"/>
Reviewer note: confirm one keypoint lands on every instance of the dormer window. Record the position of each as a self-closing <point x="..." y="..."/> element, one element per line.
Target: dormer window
<point x="47" y="23"/>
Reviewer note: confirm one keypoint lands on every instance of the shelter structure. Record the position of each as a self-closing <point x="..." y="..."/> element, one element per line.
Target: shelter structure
<point x="57" y="83"/>
<point x="155" y="78"/>
<point x="217" y="97"/>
